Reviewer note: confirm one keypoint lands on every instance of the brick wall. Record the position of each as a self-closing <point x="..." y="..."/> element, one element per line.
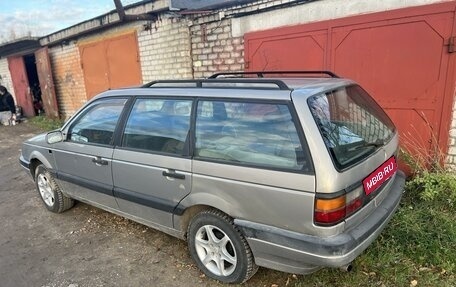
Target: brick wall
<point x="68" y="78"/>
<point x="214" y="49"/>
<point x="214" y="46"/>
<point x="451" y="159"/>
<point x="164" y="50"/>
<point x="5" y="76"/>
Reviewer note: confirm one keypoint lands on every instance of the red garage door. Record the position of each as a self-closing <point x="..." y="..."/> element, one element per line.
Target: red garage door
<point x="111" y="63"/>
<point x="19" y="77"/>
<point x="401" y="57"/>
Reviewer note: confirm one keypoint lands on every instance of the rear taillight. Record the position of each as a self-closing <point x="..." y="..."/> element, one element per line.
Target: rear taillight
<point x="330" y="211"/>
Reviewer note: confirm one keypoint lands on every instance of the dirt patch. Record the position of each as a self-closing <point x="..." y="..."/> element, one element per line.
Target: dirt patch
<point x="85" y="246"/>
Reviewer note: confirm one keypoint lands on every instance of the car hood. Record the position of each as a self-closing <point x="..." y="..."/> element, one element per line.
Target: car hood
<point x="38" y="140"/>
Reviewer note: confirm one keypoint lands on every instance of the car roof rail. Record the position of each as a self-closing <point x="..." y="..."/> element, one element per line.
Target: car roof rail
<point x="220" y="83"/>
<point x="260" y="74"/>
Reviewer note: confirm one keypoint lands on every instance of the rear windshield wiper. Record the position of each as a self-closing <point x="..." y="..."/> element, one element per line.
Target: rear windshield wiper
<point x="377" y="143"/>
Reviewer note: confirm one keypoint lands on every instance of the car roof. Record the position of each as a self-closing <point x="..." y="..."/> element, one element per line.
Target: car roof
<point x="279" y="88"/>
<point x="312" y="86"/>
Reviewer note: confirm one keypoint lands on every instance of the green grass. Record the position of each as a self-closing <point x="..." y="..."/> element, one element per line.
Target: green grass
<point x="45" y="123"/>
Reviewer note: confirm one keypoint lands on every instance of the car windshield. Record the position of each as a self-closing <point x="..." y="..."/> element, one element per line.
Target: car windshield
<point x="352" y="124"/>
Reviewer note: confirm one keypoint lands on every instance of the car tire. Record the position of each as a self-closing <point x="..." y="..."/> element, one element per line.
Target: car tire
<point x="219" y="248"/>
<point x="50" y="192"/>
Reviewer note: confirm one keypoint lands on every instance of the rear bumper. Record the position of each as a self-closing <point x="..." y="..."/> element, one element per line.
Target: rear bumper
<point x="294" y="252"/>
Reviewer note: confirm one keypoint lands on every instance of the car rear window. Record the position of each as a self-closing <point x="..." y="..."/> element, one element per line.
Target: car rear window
<point x="351" y="123"/>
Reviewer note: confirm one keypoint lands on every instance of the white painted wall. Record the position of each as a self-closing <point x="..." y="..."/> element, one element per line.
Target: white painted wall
<point x="318" y="11"/>
<point x="5" y="75"/>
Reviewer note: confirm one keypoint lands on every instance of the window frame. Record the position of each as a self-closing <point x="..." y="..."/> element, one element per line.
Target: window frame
<point x="307" y="169"/>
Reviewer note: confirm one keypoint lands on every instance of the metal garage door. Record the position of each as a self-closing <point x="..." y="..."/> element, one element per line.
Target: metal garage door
<point x="43" y="66"/>
<point x="21" y="86"/>
<point x="110" y="63"/>
<point x="402" y="57"/>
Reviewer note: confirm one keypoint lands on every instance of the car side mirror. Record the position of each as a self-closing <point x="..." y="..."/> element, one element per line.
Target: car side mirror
<point x="54" y="137"/>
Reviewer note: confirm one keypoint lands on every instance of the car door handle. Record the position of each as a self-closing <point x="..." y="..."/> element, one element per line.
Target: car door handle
<point x="173" y="174"/>
<point x="99" y="161"/>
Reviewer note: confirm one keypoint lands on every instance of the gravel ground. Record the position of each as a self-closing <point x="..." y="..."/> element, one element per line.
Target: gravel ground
<point x="85" y="246"/>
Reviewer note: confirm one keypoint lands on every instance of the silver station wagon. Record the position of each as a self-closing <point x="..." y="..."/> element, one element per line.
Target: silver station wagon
<point x="293" y="173"/>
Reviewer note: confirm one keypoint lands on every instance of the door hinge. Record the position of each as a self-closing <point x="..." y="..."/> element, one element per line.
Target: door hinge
<point x="451" y="45"/>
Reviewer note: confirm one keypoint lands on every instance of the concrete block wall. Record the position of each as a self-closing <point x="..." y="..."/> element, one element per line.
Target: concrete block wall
<point x="165" y="50"/>
<point x="68" y="78"/>
<point x="5" y="77"/>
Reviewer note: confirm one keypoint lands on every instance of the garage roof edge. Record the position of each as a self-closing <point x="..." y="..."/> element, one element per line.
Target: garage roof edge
<point x="20" y="46"/>
<point x="107" y="20"/>
<point x="205" y="4"/>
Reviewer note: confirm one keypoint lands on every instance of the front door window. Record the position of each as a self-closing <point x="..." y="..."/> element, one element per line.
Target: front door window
<point x="97" y="124"/>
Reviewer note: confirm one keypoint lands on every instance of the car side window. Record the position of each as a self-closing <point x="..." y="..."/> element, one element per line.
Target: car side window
<point x="258" y="134"/>
<point x="158" y="125"/>
<point x="97" y="123"/>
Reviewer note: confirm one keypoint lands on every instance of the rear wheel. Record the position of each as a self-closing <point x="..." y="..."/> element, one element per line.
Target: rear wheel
<point x="219" y="249"/>
<point x="50" y="192"/>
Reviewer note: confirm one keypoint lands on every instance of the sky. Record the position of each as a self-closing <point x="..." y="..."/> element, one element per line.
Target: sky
<point x="19" y="18"/>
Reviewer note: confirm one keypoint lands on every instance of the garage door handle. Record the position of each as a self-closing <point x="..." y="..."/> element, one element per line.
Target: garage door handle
<point x="173" y="174"/>
<point x="99" y="161"/>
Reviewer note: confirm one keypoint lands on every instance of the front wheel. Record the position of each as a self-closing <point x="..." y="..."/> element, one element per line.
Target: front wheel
<point x="219" y="249"/>
<point x="50" y="192"/>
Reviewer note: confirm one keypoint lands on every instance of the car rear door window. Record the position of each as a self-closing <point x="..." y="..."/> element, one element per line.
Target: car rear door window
<point x="248" y="133"/>
<point x="158" y="125"/>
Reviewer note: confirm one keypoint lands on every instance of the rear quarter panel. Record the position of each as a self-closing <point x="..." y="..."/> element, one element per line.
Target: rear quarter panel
<point x="275" y="198"/>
